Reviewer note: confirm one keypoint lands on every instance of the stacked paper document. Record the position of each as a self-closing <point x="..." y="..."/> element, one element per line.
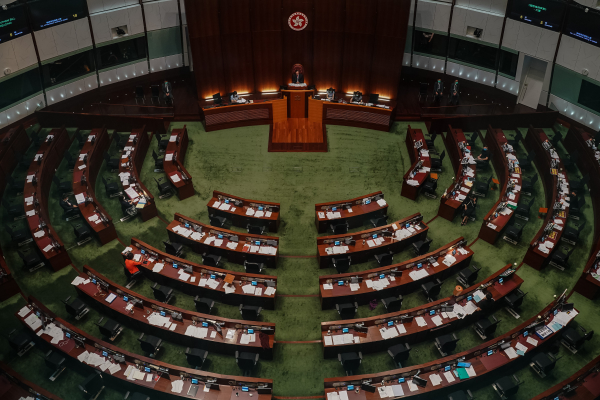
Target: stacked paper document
<point x="54" y="332"/>
<point x="177" y="386"/>
<point x="248" y="289"/>
<point x="33" y="321"/>
<point x="158" y="267"/>
<point x="270" y="291"/>
<point x="79" y="280"/>
<point x="158" y="320"/>
<point x="196" y="331"/>
<point x="248" y="338"/>
<point x="418" y="274"/>
<point x="389" y="332"/>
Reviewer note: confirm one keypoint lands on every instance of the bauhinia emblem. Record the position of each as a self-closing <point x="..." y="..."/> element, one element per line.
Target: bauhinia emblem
<point x="298" y="21"/>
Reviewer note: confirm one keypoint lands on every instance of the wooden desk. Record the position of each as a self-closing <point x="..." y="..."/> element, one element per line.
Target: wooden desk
<point x="85" y="173"/>
<point x="370" y="338"/>
<point x="163" y="373"/>
<point x="582" y="385"/>
<point x="138" y="320"/>
<point x="173" y="163"/>
<point x="402" y="282"/>
<point x="419" y="161"/>
<point x="356" y="212"/>
<point x="236" y="209"/>
<point x="361" y="252"/>
<point x="237" y="115"/>
<point x="492" y="225"/>
<point x="237" y="255"/>
<point x="456" y="143"/>
<point x="132" y="159"/>
<point x="482" y="364"/>
<point x="360" y="116"/>
<point x="35" y="195"/>
<point x="297" y="102"/>
<point x="169" y="276"/>
<point x="533" y="142"/>
<point x="14" y="387"/>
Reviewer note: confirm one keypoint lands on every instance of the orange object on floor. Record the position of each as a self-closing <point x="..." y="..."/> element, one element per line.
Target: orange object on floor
<point x="457" y="290"/>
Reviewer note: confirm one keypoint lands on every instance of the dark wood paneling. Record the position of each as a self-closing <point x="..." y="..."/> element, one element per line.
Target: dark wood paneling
<point x="266" y="16"/>
<point x="358" y="52"/>
<point x="330" y="18"/>
<point x="266" y="44"/>
<point x="297" y="45"/>
<point x="360" y="16"/>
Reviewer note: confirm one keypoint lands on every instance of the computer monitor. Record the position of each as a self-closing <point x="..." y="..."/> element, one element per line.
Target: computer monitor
<point x="463" y="364"/>
<point x="374" y="236"/>
<point x="68" y="335"/>
<point x="333" y="208"/>
<point x="194" y="381"/>
<point x="525" y="333"/>
<point x="432" y="312"/>
<point x="162" y="313"/>
<point x="390" y="323"/>
<point x="447" y="368"/>
<point x="490" y="352"/>
<point x="257" y="242"/>
<point x="419" y="265"/>
<point x="337" y="243"/>
<point x="147" y="369"/>
<point x="205" y="324"/>
<point x="567" y="307"/>
<point x="250" y="331"/>
<point x="125" y="298"/>
<point x="400" y="380"/>
<point x="254" y="283"/>
<point x="350" y="387"/>
<point x="469" y="298"/>
<point x="381" y="276"/>
<point x="219" y="236"/>
<point x="245" y="389"/>
<point x="368" y="201"/>
<point x="213" y="276"/>
<point x="340" y="283"/>
<point x="419" y="381"/>
<point x="175" y="265"/>
<point x="105" y="354"/>
<point x="345" y="330"/>
<point x="501" y="280"/>
<point x="94" y="281"/>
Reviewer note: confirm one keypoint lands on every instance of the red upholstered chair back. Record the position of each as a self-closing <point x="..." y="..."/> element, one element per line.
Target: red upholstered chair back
<point x="297" y="67"/>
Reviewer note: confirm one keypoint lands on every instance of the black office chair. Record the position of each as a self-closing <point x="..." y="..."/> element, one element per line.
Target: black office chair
<point x="24" y="161"/>
<point x="518" y="137"/>
<point x="576" y="207"/>
<point x="15" y="210"/>
<point x="56" y="361"/>
<point x="16" y="185"/>
<point x="423" y="89"/>
<point x="436" y="162"/>
<point x="481" y="187"/>
<point x="165" y="189"/>
<point x="578" y="185"/>
<point x="93" y="385"/>
<point x="350" y="361"/>
<point x="255" y="229"/>
<point x="513" y="233"/>
<point x="384" y="259"/>
<point x="120" y="142"/>
<point x="76" y="307"/>
<point x="252" y="267"/>
<point x="421" y="247"/>
<point x="112" y="163"/>
<point x="162" y="143"/>
<point x="71" y="213"/>
<point x="71" y="161"/>
<point x="132" y="278"/>
<point x="379" y="221"/>
<point x="347" y="310"/>
<point x="570" y="160"/>
<point x="246" y="361"/>
<point x="20" y="236"/>
<point x="392" y="304"/>
<point x="64" y="187"/>
<point x="506" y="386"/>
<point x="140" y="95"/>
<point x="543" y="363"/>
<point x="155" y="93"/>
<point x="556" y="138"/>
<point x="83" y="233"/>
<point x="526" y="163"/>
<point x="150" y="344"/>
<point x="20" y="341"/>
<point x="527" y="184"/>
<point x="211" y="260"/>
<point x="250" y="313"/>
<point x="31" y="260"/>
<point x="486" y="328"/>
<point x="429" y="188"/>
<point x="158" y="162"/>
<point x="571" y="235"/>
<point x="430" y="141"/>
<point x="162" y="293"/>
<point x="173" y="248"/>
<point x="112" y="188"/>
<point x="446" y="344"/>
<point x="37" y="139"/>
<point x="461" y="395"/>
<point x="468" y="276"/>
<point x="514" y="299"/>
<point x="523" y="209"/>
<point x="339" y="227"/>
<point x="432" y="289"/>
<point x="473" y="139"/>
<point x="195" y="357"/>
<point x="217" y="221"/>
<point x="342" y="263"/>
<point x="399" y="353"/>
<point x="203" y="305"/>
<point x="109" y="328"/>
<point x="574" y="338"/>
<point x="560" y="257"/>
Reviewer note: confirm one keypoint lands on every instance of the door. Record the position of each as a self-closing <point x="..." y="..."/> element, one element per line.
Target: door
<point x="531" y="91"/>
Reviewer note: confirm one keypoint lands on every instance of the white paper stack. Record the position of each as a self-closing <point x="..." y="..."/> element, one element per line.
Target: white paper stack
<point x="411" y="386"/>
<point x="24" y="311"/>
<point x="511" y="353"/>
<point x="470" y="308"/>
<point x="521" y="346"/>
<point x="421" y="321"/>
<point x="229" y="288"/>
<point x="381" y="202"/>
<point x="248" y="289"/>
<point x="248" y="338"/>
<point x="177" y="386"/>
<point x="33" y="321"/>
<point x="158" y="267"/>
<point x="271" y="290"/>
<point x="449" y="377"/>
<point x="435" y="379"/>
<point x="389" y="332"/>
<point x="175" y="177"/>
<point x="158" y="320"/>
<point x="212" y="283"/>
<point x="418" y="274"/>
<point x="196" y="331"/>
<point x="437" y="320"/>
<point x="471" y="371"/>
<point x="79" y="280"/>
<point x="197" y="235"/>
<point x="232" y="245"/>
<point x="532" y="341"/>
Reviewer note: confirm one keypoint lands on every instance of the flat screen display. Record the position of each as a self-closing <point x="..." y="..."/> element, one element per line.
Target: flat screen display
<point x="47" y="13"/>
<point x="13" y="23"/>
<point x="543" y="13"/>
<point x="583" y="25"/>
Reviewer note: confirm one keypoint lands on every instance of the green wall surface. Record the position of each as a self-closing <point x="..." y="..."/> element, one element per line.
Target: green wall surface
<point x="164" y="42"/>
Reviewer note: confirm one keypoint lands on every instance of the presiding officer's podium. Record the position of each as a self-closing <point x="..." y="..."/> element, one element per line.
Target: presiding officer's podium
<point x="297" y="102"/>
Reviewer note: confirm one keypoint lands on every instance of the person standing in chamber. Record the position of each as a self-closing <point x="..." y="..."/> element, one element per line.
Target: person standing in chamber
<point x="438" y="89"/>
<point x="454" y="93"/>
<point x="297" y="77"/>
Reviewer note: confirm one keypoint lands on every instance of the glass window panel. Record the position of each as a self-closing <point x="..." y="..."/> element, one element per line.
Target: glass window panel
<point x="121" y="52"/>
<point x="431" y="43"/>
<point x="588" y="95"/>
<point x="472" y="53"/>
<point x="16" y="89"/>
<point x="68" y="68"/>
<point x="508" y="63"/>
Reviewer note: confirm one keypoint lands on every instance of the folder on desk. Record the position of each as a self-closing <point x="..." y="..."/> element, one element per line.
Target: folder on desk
<point x="462" y="373"/>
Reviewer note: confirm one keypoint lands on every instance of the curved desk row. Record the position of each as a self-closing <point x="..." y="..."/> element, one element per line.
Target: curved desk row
<point x="361" y="116"/>
<point x="401" y="327"/>
<point x="221" y="335"/>
<point x="36" y="192"/>
<point x="459" y="152"/>
<point x="132" y="159"/>
<point x="237" y="115"/>
<point x="582" y="385"/>
<point x="218" y="284"/>
<point x="546" y="241"/>
<point x="363" y="245"/>
<point x="173" y="163"/>
<point x="355" y="212"/>
<point x="419" y="171"/>
<point x="73" y="342"/>
<point x="580" y="142"/>
<point x="236" y="246"/>
<point x="85" y="173"/>
<point x="243" y="211"/>
<point x="485" y="359"/>
<point x="396" y="279"/>
<point x="15" y="387"/>
<point x="506" y="164"/>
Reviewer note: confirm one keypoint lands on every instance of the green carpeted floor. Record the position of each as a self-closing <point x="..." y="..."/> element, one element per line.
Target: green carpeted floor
<point x="236" y="161"/>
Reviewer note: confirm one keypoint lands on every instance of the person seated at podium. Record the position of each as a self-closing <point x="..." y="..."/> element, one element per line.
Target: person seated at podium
<point x="297" y="77"/>
<point x="331" y="94"/>
<point x="235" y="98"/>
<point x="357" y="97"/>
<point x="131" y="264"/>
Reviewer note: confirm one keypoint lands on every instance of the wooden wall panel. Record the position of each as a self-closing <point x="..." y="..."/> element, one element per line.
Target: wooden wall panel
<point x="297" y="45"/>
<point x="236" y="43"/>
<point x="267" y="44"/>
<point x="329" y="27"/>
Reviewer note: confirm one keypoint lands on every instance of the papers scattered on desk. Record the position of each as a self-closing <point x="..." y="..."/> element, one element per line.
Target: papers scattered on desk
<point x="449" y="377"/>
<point x="418" y="274"/>
<point x="449" y="260"/>
<point x="169" y="157"/>
<point x="175" y="177"/>
<point x="471" y="371"/>
<point x="173" y="138"/>
<point x="196" y="331"/>
<point x="543" y="248"/>
<point x="232" y="245"/>
<point x="333" y="215"/>
<point x="411" y="386"/>
<point x="328" y="286"/>
<point x="412" y="182"/>
<point x="197" y="235"/>
<point x="158" y="267"/>
<point x="459" y="311"/>
<point x="532" y="341"/>
<point x="30" y="178"/>
<point x="183" y="276"/>
<point x="230" y="334"/>
<point x="229" y="288"/>
<point x="79" y="280"/>
<point x="259" y="214"/>
<point x="268" y="250"/>
<point x="224" y="207"/>
<point x="30" y="213"/>
<point x="24" y="311"/>
<point x="437" y="320"/>
<point x="137" y="257"/>
<point x="158" y="320"/>
<point x="54" y="332"/>
<point x="270" y="291"/>
<point x="563" y="318"/>
<point x="321" y="214"/>
<point x="511" y="353"/>
<point x="421" y="321"/>
<point x="389" y="332"/>
<point x="248" y="289"/>
<point x="381" y="202"/>
<point x="209" y="240"/>
<point x="38" y="157"/>
<point x="48" y="248"/>
<point x="177" y="386"/>
<point x="402" y="234"/>
<point x="82" y="166"/>
<point x="478" y="296"/>
<point x="435" y="379"/>
<point x="521" y="347"/>
<point x="354" y="287"/>
<point x="268" y="214"/>
<point x="248" y="338"/>
<point x="113" y="368"/>
<point x="328" y="340"/>
<point x="380" y="284"/>
<point x="29" y="200"/>
<point x="93" y="218"/>
<point x="39" y="234"/>
<point x="212" y="283"/>
<point x="470" y="308"/>
<point x="110" y="298"/>
<point x="218" y="242"/>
